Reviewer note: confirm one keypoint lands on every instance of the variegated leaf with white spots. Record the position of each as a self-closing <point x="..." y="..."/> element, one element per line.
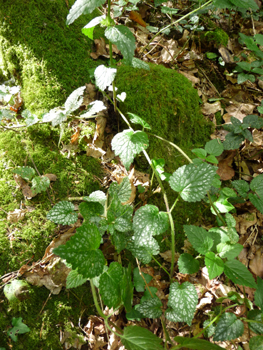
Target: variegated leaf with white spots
<point x="63" y="213"/>
<point x="228" y="327"/>
<point x="144" y="252"/>
<point x="151" y="308"/>
<point x="110" y="285"/>
<point x="183" y="299"/>
<point x="122" y="190"/>
<point x="193" y="181"/>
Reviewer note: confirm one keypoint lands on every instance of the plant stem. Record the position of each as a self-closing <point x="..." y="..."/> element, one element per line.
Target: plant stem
<point x="175" y="203"/>
<point x="157" y="262"/>
<point x="111" y="58"/>
<point x="95" y="298"/>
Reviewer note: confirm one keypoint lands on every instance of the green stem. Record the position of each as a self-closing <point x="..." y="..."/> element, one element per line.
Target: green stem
<point x="177" y="199"/>
<point x="94" y="295"/>
<point x="157" y="262"/>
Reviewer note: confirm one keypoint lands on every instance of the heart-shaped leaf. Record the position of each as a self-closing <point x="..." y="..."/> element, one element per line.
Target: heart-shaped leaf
<point x="82" y="7"/>
<point x="138" y="338"/>
<point x="228" y="328"/>
<point x="63" y="213"/>
<point x="214" y="264"/>
<point x="200" y="239"/>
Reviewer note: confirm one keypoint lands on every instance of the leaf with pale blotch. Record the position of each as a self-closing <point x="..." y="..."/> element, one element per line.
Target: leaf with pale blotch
<point x="228" y="327"/>
<point x="229" y="251"/>
<point x="75" y="99"/>
<point x="96" y="196"/>
<point x="193" y="181"/>
<point x="26" y="172"/>
<point x="138" y="338"/>
<point x="104" y="76"/>
<point x="183" y="299"/>
<point x="82" y="252"/>
<point x="214" y="264"/>
<point x="255" y="315"/>
<point x="94" y="108"/>
<point x="109" y="285"/>
<point x="82" y="7"/>
<point x="89" y="28"/>
<point x="63" y="213"/>
<point x="200" y="239"/>
<point x="151" y="308"/>
<point x="74" y="279"/>
<point x="256" y="185"/>
<point x="242" y="187"/>
<point x="56" y="116"/>
<point x="40" y="184"/>
<point x="144" y="252"/>
<point x="239" y="274"/>
<point x="135" y="119"/>
<point x="122" y="190"/>
<point x="127" y="144"/>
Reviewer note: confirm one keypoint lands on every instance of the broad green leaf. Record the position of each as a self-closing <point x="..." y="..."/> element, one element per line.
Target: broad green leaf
<point x="82" y="7"/>
<point x="247" y="135"/>
<point x="210" y="330"/>
<point x="134" y="314"/>
<point x="254" y="121"/>
<point x="135" y="119"/>
<point x="74" y="279"/>
<point x="127" y="289"/>
<point x="123" y="38"/>
<point x="259" y="39"/>
<point x="183" y="299"/>
<point x="56" y="116"/>
<point x="256" y="185"/>
<point x="26" y="172"/>
<point x="96" y="196"/>
<point x="63" y="213"/>
<point x="120" y="240"/>
<point x="193" y="181"/>
<point x="144" y="253"/>
<point x="199" y="238"/>
<point x="233" y="141"/>
<point x="147" y="295"/>
<point x="242" y="77"/>
<point x="40" y="184"/>
<point x="214" y="147"/>
<point x="138" y="338"/>
<point x="94" y="108"/>
<point x="222" y="205"/>
<point x="82" y="252"/>
<point x="18" y="328"/>
<point x="122" y="191"/>
<point x="257" y="202"/>
<point x="242" y="187"/>
<point x="229" y="251"/>
<point x="136" y="63"/>
<point x="30" y="118"/>
<point x="257" y="316"/>
<point x="228" y="192"/>
<point x="187" y="264"/>
<point x="239" y="274"/>
<point x="196" y="344"/>
<point x="109" y="285"/>
<point x="211" y="159"/>
<point x="89" y="28"/>
<point x="257" y="70"/>
<point x="6" y="114"/>
<point x="127" y="144"/>
<point x="256" y="343"/>
<point x="119" y="216"/>
<point x="214" y="264"/>
<point x="228" y="327"/>
<point x="230" y="220"/>
<point x="75" y="99"/>
<point x="249" y="42"/>
<point x="122" y="224"/>
<point x="200" y="152"/>
<point x="151" y="308"/>
<point x="244" y="65"/>
<point x="91" y="211"/>
<point x="245" y="4"/>
<point x="138" y="281"/>
<point x="104" y="76"/>
<point x="258" y="297"/>
<point x="172" y="315"/>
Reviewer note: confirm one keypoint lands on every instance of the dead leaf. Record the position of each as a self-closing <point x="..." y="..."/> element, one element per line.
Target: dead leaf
<point x="224" y="169"/>
<point x="51" y="177"/>
<point x="238" y="110"/>
<point x="244" y="221"/>
<point x="256" y="264"/>
<point x="212" y="108"/>
<point x="225" y="54"/>
<point x="136" y="17"/>
<point x="194" y="80"/>
<point x="16" y="215"/>
<point x="167" y="256"/>
<point x="100" y="49"/>
<point x="74" y="138"/>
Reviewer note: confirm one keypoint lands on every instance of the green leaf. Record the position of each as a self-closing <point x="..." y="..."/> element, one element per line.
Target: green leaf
<point x="242" y="187"/>
<point x="214" y="264"/>
<point x="183" y="299"/>
<point x="257" y="202"/>
<point x="40" y="184"/>
<point x="138" y="338"/>
<point x="136" y="63"/>
<point x="222" y="205"/>
<point x="196" y="344"/>
<point x="245" y="4"/>
<point x="257" y="70"/>
<point x="30" y="118"/>
<point x="258" y="297"/>
<point x="256" y="343"/>
<point x="228" y="327"/>
<point x="211" y="159"/>
<point x="135" y="119"/>
<point x="147" y="295"/>
<point x="74" y="279"/>
<point x="128" y="144"/>
<point x="123" y="38"/>
<point x="256" y="185"/>
<point x="26" y="172"/>
<point x="242" y="77"/>
<point x="259" y="39"/>
<point x="138" y="281"/>
<point x="109" y="285"/>
<point x="127" y="289"/>
<point x="96" y="196"/>
<point x="229" y="251"/>
<point x="91" y="211"/>
<point x="75" y="99"/>
<point x="56" y="116"/>
<point x="199" y="152"/>
<point x="82" y="252"/>
<point x="122" y="190"/>
<point x="18" y="328"/>
<point x="151" y="308"/>
<point x="233" y="141"/>
<point x="228" y="192"/>
<point x="82" y="7"/>
<point x="257" y="316"/>
<point x="63" y="213"/>
<point x="15" y="288"/>
<point x="199" y="238"/>
<point x="193" y="182"/>
<point x="254" y="121"/>
<point x="89" y="28"/>
<point x="134" y="314"/>
<point x="239" y="274"/>
<point x="214" y="147"/>
<point x="210" y="330"/>
<point x="211" y="55"/>
<point x="249" y="42"/>
<point x="244" y="65"/>
<point x="104" y="76"/>
<point x="187" y="264"/>
<point x="144" y="253"/>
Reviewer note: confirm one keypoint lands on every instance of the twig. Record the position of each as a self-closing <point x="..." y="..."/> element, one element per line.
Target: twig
<point x="141" y="274"/>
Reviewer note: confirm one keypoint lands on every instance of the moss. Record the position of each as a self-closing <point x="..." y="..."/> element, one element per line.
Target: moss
<point x="218" y="36"/>
<point x="48" y="58"/>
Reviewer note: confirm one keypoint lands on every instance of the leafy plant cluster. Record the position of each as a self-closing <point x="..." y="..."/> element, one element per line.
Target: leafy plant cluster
<point x="137" y="231"/>
<point x="39" y="183"/>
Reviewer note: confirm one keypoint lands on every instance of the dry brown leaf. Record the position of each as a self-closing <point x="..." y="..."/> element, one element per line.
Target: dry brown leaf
<point x="194" y="80"/>
<point x="238" y="110"/>
<point x="169" y="51"/>
<point x="224" y="169"/>
<point x="74" y="138"/>
<point x="16" y="215"/>
<point x="212" y="108"/>
<point x="136" y="17"/>
<point x="100" y="49"/>
<point x="225" y="54"/>
<point x="256" y="264"/>
<point x="244" y="221"/>
<point x="51" y="177"/>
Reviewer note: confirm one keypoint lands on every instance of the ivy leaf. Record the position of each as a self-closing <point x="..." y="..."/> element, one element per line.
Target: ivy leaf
<point x="40" y="184"/>
<point x="138" y="281"/>
<point x="122" y="190"/>
<point x="256" y="343"/>
<point x="18" y="328"/>
<point x="233" y="141"/>
<point x="257" y="316"/>
<point x="138" y="338"/>
<point x="123" y="38"/>
<point x="228" y="328"/>
<point x="75" y="99"/>
<point x="242" y="187"/>
<point x="214" y="264"/>
<point x="151" y="308"/>
<point x="82" y="252"/>
<point x="26" y="172"/>
<point x="110" y="285"/>
<point x="196" y="344"/>
<point x="135" y="119"/>
<point x="187" y="264"/>
<point x="63" y="213"/>
<point x="229" y="251"/>
<point x="82" y="7"/>
<point x="74" y="279"/>
<point x="214" y="147"/>
<point x="239" y="274"/>
<point x="256" y="185"/>
<point x="193" y="181"/>
<point x="127" y="144"/>
<point x="199" y="238"/>
<point x="258" y="297"/>
<point x="183" y="299"/>
<point x="104" y="76"/>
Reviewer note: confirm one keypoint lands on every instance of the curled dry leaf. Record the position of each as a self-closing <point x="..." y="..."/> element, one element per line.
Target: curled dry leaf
<point x="16" y="215"/>
<point x="136" y="17"/>
<point x="194" y="80"/>
<point x="238" y="110"/>
<point x="224" y="167"/>
<point x="212" y="108"/>
<point x="244" y="221"/>
<point x="100" y="49"/>
<point x="51" y="177"/>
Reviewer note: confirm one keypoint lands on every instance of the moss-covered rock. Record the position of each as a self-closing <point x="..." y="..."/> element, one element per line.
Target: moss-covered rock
<point x="48" y="58"/>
